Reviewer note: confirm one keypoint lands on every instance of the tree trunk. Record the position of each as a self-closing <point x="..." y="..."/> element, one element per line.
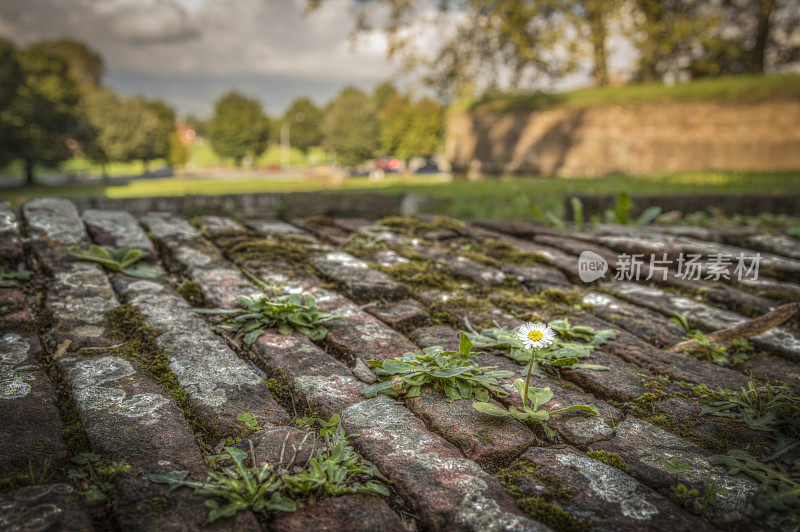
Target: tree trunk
<point x="598" y="30"/>
<point x="29" y="173"/>
<point x="648" y="62"/>
<point x="765" y="8"/>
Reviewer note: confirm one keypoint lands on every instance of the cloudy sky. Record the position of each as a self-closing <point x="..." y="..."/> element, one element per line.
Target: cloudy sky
<point x="188" y="52"/>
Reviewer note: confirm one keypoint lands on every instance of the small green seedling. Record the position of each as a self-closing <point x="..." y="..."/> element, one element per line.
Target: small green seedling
<point x="249" y="422"/>
<point x="454" y="372"/>
<point x="119" y="260"/>
<point x="334" y="470"/>
<point x="532" y="411"/>
<point x="94" y="477"/>
<point x="289" y="313"/>
<point x="9" y="278"/>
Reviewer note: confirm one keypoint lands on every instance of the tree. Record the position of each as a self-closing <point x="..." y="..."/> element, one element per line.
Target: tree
<point x="350" y="127"/>
<point x="85" y="66"/>
<point x="158" y="145"/>
<point x="123" y="127"/>
<point x="410" y="129"/>
<point x="491" y="44"/>
<point x="395" y="119"/>
<point x="666" y="33"/>
<point x="424" y="136"/>
<point x="238" y="127"/>
<point x="304" y="119"/>
<point x="178" y="154"/>
<point x="40" y="119"/>
<point x="11" y="77"/>
<point x="382" y="92"/>
<point x="754" y="36"/>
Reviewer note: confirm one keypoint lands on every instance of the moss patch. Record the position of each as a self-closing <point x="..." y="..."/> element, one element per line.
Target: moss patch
<point x="612" y="459"/>
<point x="13" y="482"/>
<point x="264" y="250"/>
<point x="279" y="390"/>
<point x="414" y="226"/>
<point x="126" y="323"/>
<point x="508" y="254"/>
<point x="421" y="275"/>
<point x="192" y="292"/>
<point x="544" y="306"/>
<point x="545" y="507"/>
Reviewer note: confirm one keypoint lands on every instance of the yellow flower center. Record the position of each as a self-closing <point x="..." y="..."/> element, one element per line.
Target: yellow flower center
<point x="535" y="336"/>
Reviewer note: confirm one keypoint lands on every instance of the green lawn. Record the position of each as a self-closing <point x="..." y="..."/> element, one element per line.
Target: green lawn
<point x="742" y="88"/>
<point x="498" y="198"/>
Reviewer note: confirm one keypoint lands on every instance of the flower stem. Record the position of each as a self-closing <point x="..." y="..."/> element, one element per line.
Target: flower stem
<point x="527" y="380"/>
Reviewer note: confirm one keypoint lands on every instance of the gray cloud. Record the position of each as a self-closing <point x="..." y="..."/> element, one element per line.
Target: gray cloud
<point x="164" y="48"/>
<point x="163" y="21"/>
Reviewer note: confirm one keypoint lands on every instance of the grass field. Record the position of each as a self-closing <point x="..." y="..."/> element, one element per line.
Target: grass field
<point x="742" y="88"/>
<point x="507" y="198"/>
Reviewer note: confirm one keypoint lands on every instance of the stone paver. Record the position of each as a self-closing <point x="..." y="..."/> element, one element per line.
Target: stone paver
<point x="130" y="419"/>
<point x="600" y="494"/>
<point x="361" y="282"/>
<point x="117" y="229"/>
<point x="220" y="384"/>
<point x="355" y="513"/>
<point x="646" y="448"/>
<point x="608" y="471"/>
<point x="31" y="427"/>
<point x="445" y="490"/>
<point x="45" y="507"/>
<point x="778" y="340"/>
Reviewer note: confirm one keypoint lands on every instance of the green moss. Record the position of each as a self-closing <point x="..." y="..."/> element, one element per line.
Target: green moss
<point x="13" y="482"/>
<point x="532" y="307"/>
<point x="268" y="250"/>
<point x="192" y="292"/>
<point x="545" y="507"/>
<point x="279" y="390"/>
<point x="612" y="459"/>
<point x="508" y="254"/>
<point x="126" y="323"/>
<point x="414" y="226"/>
<point x="421" y="275"/>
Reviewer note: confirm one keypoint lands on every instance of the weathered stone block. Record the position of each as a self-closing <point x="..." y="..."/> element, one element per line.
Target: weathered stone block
<point x="444" y="489"/>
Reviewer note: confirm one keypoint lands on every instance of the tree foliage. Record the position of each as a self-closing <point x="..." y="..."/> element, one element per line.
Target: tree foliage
<point x="521" y="44"/>
<point x="238" y="127"/>
<point x="85" y="66"/>
<point x="410" y="129"/>
<point x="350" y="127"/>
<point x="39" y="120"/>
<point x="124" y="129"/>
<point x="304" y="119"/>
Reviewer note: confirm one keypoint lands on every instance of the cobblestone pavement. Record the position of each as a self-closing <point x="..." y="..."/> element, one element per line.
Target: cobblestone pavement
<point x="123" y="367"/>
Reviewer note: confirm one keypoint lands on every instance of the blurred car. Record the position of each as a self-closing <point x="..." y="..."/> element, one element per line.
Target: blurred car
<point x="388" y="164"/>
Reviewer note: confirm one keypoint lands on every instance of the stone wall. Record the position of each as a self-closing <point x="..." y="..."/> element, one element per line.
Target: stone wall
<point x="264" y="205"/>
<point x="633" y="139"/>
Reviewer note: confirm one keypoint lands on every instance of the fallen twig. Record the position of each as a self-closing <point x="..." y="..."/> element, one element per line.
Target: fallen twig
<point x="725" y="337"/>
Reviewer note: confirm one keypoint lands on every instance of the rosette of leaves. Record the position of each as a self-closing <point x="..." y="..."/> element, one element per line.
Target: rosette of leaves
<point x="257" y="488"/>
<point x="774" y="410"/>
<point x="334" y="470"/>
<point x="573" y="343"/>
<point x="454" y="372"/>
<point x="533" y="411"/>
<point x="10" y="277"/>
<point x="289" y="313"/>
<point x="125" y="260"/>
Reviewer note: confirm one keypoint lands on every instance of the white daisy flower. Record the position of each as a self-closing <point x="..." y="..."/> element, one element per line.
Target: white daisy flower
<point x="535" y="335"/>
